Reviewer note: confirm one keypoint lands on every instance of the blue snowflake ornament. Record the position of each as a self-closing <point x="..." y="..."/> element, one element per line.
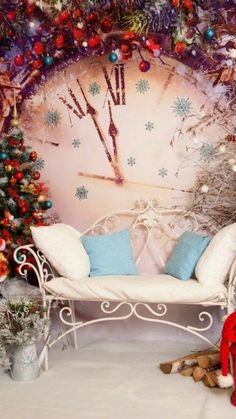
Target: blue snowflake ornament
<point x="94" y="89"/>
<point x="142" y="86"/>
<point x="81" y="192"/>
<point x="76" y="143"/>
<point x="39" y="164"/>
<point x="182" y="107"/>
<point x="149" y="126"/>
<point x="207" y="152"/>
<point x="52" y="118"/>
<point x="163" y="172"/>
<point x="131" y="161"/>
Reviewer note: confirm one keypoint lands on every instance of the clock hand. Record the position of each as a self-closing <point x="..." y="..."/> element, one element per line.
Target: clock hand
<point x="92" y="112"/>
<point x="113" y="131"/>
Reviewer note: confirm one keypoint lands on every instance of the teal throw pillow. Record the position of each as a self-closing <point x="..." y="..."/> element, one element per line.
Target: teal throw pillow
<point x="186" y="253"/>
<point x="110" y="254"/>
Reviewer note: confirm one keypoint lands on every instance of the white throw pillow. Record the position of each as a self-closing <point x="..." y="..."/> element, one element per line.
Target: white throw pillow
<point x="63" y="248"/>
<point x="215" y="262"/>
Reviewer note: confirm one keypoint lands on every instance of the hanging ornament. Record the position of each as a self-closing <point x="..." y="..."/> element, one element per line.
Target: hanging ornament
<point x="106" y="24"/>
<point x="33" y="155"/>
<point x="77" y="13"/>
<point x="144" y="66"/>
<point x="64" y="16"/>
<point x="60" y="40"/>
<point x="30" y="8"/>
<point x="126" y="51"/>
<point x="36" y="175"/>
<point x="78" y="34"/>
<point x="37" y="214"/>
<point x="42" y="198"/>
<point x="175" y="3"/>
<point x="37" y="63"/>
<point x="180" y="47"/>
<point x="38" y="48"/>
<point x="47" y="204"/>
<point x="19" y="175"/>
<point x="3" y="155"/>
<point x="12" y="181"/>
<point x="11" y="15"/>
<point x="91" y="17"/>
<point x="94" y="41"/>
<point x="8" y="168"/>
<point x="19" y="60"/>
<point x="204" y="188"/>
<point x="2" y="244"/>
<point x="112" y="57"/>
<point x="48" y="60"/>
<point x="129" y="36"/>
<point x="209" y="34"/>
<point x="188" y="4"/>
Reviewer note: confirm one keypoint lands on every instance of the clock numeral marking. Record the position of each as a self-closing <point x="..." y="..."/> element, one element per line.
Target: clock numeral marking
<point x="117" y="94"/>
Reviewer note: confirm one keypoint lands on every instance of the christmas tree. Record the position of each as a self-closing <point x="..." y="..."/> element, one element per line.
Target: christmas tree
<point x="23" y="201"/>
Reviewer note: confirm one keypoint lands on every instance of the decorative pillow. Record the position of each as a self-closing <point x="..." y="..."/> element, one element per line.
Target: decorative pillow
<point x="62" y="247"/>
<point x="186" y="253"/>
<point x="110" y="254"/>
<point x="215" y="263"/>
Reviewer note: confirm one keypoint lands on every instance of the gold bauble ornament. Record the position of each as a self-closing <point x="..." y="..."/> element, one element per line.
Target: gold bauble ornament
<point x="14" y="122"/>
<point x="8" y="168"/>
<point x="42" y="198"/>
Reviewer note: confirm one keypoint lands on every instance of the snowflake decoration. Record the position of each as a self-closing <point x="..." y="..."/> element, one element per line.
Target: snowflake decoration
<point x="76" y="143"/>
<point x="162" y="172"/>
<point x="182" y="107"/>
<point x="207" y="152"/>
<point x="94" y="89"/>
<point x="39" y="164"/>
<point x="81" y="192"/>
<point x="131" y="161"/>
<point x="52" y="118"/>
<point x="149" y="126"/>
<point x="142" y="86"/>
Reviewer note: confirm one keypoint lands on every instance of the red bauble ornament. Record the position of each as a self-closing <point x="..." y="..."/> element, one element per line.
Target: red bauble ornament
<point x="24" y="209"/>
<point x="127" y="36"/>
<point x="19" y="59"/>
<point x="180" y="47"/>
<point x="36" y="175"/>
<point x="64" y="15"/>
<point x="30" y="8"/>
<point x="37" y="214"/>
<point x="10" y="33"/>
<point x="57" y="21"/>
<point x="91" y="17"/>
<point x="188" y="4"/>
<point x="37" y="63"/>
<point x="19" y="175"/>
<point x="38" y="48"/>
<point x="33" y="155"/>
<point x="94" y="41"/>
<point x="59" y="40"/>
<point x="77" y="13"/>
<point x="175" y="3"/>
<point x="11" y="16"/>
<point x="78" y="34"/>
<point x="144" y="66"/>
<point x="126" y="51"/>
<point x="106" y="24"/>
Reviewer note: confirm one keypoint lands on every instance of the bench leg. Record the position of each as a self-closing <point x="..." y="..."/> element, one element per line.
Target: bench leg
<point x="72" y="307"/>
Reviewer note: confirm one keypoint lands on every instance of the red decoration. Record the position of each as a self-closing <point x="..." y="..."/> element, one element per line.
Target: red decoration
<point x="126" y="51"/>
<point x="33" y="155"/>
<point x="38" y="48"/>
<point x="78" y="34"/>
<point x="30" y="8"/>
<point x="91" y="17"/>
<point x="37" y="63"/>
<point x="59" y="41"/>
<point x="10" y="33"/>
<point x="36" y="175"/>
<point x="64" y="15"/>
<point x="18" y="175"/>
<point x="12" y="181"/>
<point x="19" y="60"/>
<point x="127" y="36"/>
<point x="188" y="4"/>
<point x="11" y="16"/>
<point x="57" y="21"/>
<point x="77" y="13"/>
<point x="180" y="47"/>
<point x="144" y="66"/>
<point x="175" y="3"/>
<point x="94" y="41"/>
<point x="106" y="24"/>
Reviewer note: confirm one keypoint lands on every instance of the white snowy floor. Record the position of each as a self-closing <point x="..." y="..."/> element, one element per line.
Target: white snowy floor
<point x="111" y="380"/>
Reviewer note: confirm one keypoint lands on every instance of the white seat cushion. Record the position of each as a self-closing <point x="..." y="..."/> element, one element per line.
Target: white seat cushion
<point x="215" y="262"/>
<point x="61" y="245"/>
<point x="144" y="288"/>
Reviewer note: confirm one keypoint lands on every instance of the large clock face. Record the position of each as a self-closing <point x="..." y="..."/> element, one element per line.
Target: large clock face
<point x="108" y="134"/>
